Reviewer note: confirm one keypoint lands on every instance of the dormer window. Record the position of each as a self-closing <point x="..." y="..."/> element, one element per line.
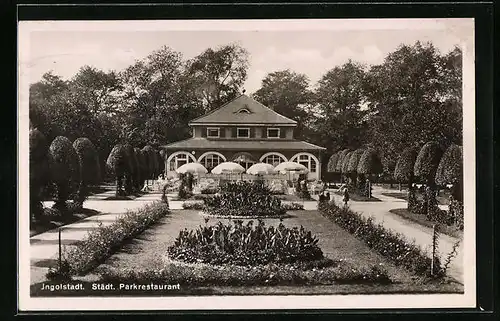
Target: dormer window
<point x="243" y="133"/>
<point x="213" y="132"/>
<point x="273" y="133"/>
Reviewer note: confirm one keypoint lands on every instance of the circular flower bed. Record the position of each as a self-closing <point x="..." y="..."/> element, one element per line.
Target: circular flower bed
<point x="246" y="245"/>
<point x="244" y="199"/>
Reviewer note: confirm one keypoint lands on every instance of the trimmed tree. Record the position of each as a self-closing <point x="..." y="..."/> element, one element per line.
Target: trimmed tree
<point x="345" y="166"/>
<point x="118" y="164"/>
<point x="340" y="160"/>
<point x="369" y="164"/>
<point x="449" y="171"/>
<point x="425" y="168"/>
<point x="130" y="175"/>
<point x="39" y="170"/>
<point x="331" y="167"/>
<point x="404" y="173"/>
<point x="149" y="155"/>
<point x="64" y="170"/>
<point x="352" y="168"/>
<point x="90" y="169"/>
<point x="141" y="168"/>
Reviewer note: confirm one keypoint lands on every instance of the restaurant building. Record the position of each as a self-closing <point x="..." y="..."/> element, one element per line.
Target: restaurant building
<point x="246" y="132"/>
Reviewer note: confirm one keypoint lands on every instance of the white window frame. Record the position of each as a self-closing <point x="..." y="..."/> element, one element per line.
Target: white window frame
<point x="279" y="132"/>
<point x="238" y="132"/>
<point x="213" y="128"/>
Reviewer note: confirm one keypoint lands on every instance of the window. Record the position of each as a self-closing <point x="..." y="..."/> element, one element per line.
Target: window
<point x="307" y="160"/>
<point x="273" y="159"/>
<point x="273" y="133"/>
<point x="213" y="132"/>
<point x="211" y="160"/>
<point x="179" y="160"/>
<point x="243" y="133"/>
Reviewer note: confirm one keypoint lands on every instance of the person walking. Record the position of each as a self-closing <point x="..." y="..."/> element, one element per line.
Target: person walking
<point x="345" y="199"/>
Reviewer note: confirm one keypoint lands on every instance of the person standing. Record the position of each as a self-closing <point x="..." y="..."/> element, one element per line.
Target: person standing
<point x="345" y="199"/>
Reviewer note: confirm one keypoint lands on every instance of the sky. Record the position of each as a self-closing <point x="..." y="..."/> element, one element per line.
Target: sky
<point x="297" y="45"/>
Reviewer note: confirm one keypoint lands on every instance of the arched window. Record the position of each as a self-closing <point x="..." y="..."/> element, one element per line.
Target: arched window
<point x="178" y="159"/>
<point x="308" y="160"/>
<point x="273" y="158"/>
<point x="211" y="159"/>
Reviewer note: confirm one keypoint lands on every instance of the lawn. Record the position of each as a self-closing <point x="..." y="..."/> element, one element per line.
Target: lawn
<point x="422" y="220"/>
<point x="146" y="251"/>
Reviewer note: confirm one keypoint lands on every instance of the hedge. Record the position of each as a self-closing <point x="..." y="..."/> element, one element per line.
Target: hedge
<point x="102" y="242"/>
<point x="427" y="162"/>
<point x="345" y="163"/>
<point x="389" y="244"/>
<point x="118" y="164"/>
<point x="332" y="163"/>
<point x="369" y="163"/>
<point x="450" y="167"/>
<point x="352" y="167"/>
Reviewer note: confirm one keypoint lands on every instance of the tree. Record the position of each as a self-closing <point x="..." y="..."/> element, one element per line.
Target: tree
<point x="340" y="97"/>
<point x="345" y="164"/>
<point x="369" y="164"/>
<point x="141" y="168"/>
<point x="412" y="97"/>
<point x="332" y="162"/>
<point x="352" y="168"/>
<point x="287" y="93"/>
<point x="64" y="170"/>
<point x="151" y="161"/>
<point x="219" y="74"/>
<point x="131" y="174"/>
<point x="404" y="173"/>
<point x="340" y="161"/>
<point x="38" y="170"/>
<point x="118" y="164"/>
<point x="450" y="169"/>
<point x="425" y="168"/>
<point x="89" y="167"/>
<point x="159" y="99"/>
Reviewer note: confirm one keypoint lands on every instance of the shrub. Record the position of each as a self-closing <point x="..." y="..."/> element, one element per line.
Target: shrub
<point x="90" y="169"/>
<point x="277" y="186"/>
<point x="118" y="164"/>
<point x="332" y="163"/>
<point x="64" y="170"/>
<point x="192" y="206"/>
<point x="389" y="244"/>
<point x="352" y="166"/>
<point x="39" y="170"/>
<point x="340" y="160"/>
<point x="293" y="206"/>
<point x="102" y="242"/>
<point x="244" y="199"/>
<point x="245" y="245"/>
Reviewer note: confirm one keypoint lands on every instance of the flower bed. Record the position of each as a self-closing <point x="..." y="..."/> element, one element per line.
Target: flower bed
<point x="244" y="199"/>
<point x="293" y="206"/>
<point x="392" y="245"/>
<point x="246" y="245"/>
<point x="105" y="240"/>
<point x="230" y="275"/>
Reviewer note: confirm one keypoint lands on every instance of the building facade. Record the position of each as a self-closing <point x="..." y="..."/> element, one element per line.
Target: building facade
<point x="246" y="132"/>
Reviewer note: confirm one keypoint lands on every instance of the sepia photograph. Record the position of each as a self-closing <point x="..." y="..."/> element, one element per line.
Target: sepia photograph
<point x="239" y="164"/>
